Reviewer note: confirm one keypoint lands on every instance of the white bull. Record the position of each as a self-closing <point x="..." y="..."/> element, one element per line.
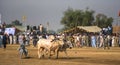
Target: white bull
<point x="49" y="45"/>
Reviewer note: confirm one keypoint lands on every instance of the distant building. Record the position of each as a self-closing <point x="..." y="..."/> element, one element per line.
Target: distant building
<point x="116" y="29"/>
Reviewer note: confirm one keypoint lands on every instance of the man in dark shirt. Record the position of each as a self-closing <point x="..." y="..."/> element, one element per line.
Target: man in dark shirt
<point x="4" y="40"/>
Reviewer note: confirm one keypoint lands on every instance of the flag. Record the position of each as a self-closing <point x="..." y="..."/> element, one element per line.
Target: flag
<point x="47" y="26"/>
<point x="23" y="18"/>
<point x="47" y="23"/>
<point x="0" y="19"/>
<point x="119" y="13"/>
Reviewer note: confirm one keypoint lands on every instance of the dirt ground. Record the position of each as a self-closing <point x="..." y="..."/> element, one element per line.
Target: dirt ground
<point x="77" y="56"/>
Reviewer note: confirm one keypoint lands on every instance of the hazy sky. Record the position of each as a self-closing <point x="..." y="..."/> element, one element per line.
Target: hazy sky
<point x="43" y="11"/>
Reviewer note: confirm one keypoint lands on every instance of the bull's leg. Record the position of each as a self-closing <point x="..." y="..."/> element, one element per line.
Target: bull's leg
<point x="42" y="52"/>
<point x="21" y="55"/>
<point x="66" y="53"/>
<point x="53" y="52"/>
<point x="49" y="53"/>
<point x="39" y="56"/>
<point x="57" y="53"/>
<point x="26" y="53"/>
<point x="38" y="53"/>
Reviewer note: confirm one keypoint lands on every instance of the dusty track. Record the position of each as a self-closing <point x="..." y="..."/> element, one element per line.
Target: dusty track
<point x="77" y="56"/>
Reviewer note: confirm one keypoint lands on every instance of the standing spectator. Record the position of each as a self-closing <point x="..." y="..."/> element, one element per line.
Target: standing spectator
<point x="72" y="40"/>
<point x="93" y="41"/>
<point x="78" y="41"/>
<point x="87" y="40"/>
<point x="14" y="39"/>
<point x="35" y="38"/>
<point x="116" y="41"/>
<point x="1" y="37"/>
<point x="75" y="40"/>
<point x="101" y="40"/>
<point x="11" y="39"/>
<point x="106" y="42"/>
<point x="119" y="40"/>
<point x="4" y="40"/>
<point x="109" y="39"/>
<point x="17" y="38"/>
<point x="21" y="39"/>
<point x="35" y="41"/>
<point x="24" y="39"/>
<point x="113" y="41"/>
<point x="41" y="28"/>
<point x="97" y="41"/>
<point x="27" y="39"/>
<point x="83" y="40"/>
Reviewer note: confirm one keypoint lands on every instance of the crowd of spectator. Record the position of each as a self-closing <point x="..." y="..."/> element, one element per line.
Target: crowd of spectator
<point x="78" y="40"/>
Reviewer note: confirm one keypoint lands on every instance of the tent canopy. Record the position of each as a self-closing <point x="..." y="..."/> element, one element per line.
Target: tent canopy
<point x="90" y="28"/>
<point x="21" y="28"/>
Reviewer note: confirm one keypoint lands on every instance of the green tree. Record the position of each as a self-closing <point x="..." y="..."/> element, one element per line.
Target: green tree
<point x="67" y="20"/>
<point x="16" y="22"/>
<point x="73" y="18"/>
<point x="103" y="21"/>
<point x="8" y="25"/>
<point x="88" y="17"/>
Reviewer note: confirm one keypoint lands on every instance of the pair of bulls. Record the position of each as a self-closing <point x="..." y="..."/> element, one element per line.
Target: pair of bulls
<point x="56" y="46"/>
